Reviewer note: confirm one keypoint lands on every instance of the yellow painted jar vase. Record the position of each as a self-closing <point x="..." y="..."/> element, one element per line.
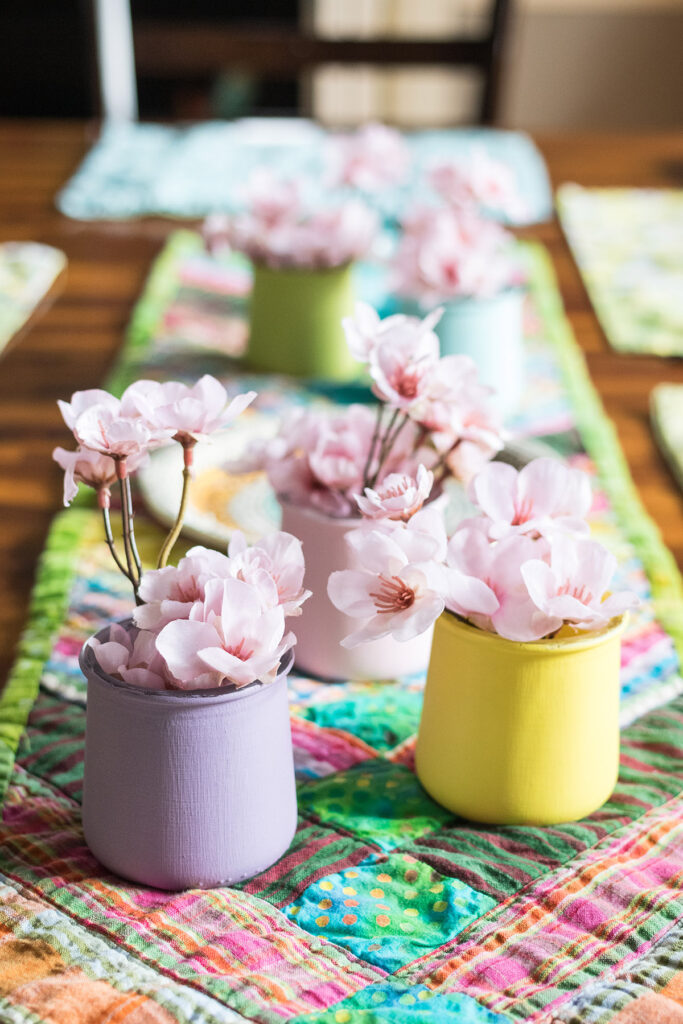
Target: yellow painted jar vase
<point x="520" y="733"/>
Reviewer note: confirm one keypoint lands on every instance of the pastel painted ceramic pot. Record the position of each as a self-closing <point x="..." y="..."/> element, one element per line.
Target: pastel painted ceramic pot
<point x="187" y="789"/>
<point x="321" y="627"/>
<point x="490" y="330"/>
<point x="520" y="733"/>
<point x="295" y="322"/>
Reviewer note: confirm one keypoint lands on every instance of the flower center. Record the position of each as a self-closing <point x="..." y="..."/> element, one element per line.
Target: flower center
<point x="581" y="593"/>
<point x="393" y="595"/>
<point x="239" y="650"/>
<point x="406" y="383"/>
<point x="523" y="512"/>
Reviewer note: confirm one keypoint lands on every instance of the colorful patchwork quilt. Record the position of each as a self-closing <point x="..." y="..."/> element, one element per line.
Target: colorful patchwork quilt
<point x="139" y="169"/>
<point x="628" y="244"/>
<point x="386" y="909"/>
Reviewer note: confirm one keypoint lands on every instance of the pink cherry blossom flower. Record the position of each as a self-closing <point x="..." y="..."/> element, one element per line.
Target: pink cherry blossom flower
<point x="171" y="592"/>
<point x="370" y="159"/>
<point x="573" y="586"/>
<point x="228" y="638"/>
<point x="192" y="412"/>
<point x="103" y="428"/>
<point x="277" y="232"/>
<point x="81" y="401"/>
<point x="400" y="363"/>
<point x="277" y="556"/>
<point x="422" y="539"/>
<point x="272" y="199"/>
<point x="318" y="458"/>
<point x="478" y="180"/>
<point x="499" y="567"/>
<point x="365" y="328"/>
<point x="332" y="237"/>
<point x="393" y="595"/>
<point x="446" y="254"/>
<point x="399" y="496"/>
<point x="131" y="655"/>
<point x="545" y="495"/>
<point x="90" y="468"/>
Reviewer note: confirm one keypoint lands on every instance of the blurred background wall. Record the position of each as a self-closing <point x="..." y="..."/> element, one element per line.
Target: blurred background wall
<point x="568" y="64"/>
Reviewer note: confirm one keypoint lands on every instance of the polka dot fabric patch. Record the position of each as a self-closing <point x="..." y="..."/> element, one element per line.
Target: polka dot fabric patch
<point x="388" y="911"/>
<point x="383" y="719"/>
<point x="392" y="1002"/>
<point x="378" y="801"/>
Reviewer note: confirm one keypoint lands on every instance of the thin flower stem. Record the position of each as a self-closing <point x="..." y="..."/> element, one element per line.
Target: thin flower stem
<point x="373" y="444"/>
<point x="392" y="432"/>
<point x="131" y="526"/>
<point x="125" y="525"/>
<point x="178" y="525"/>
<point x="110" y="544"/>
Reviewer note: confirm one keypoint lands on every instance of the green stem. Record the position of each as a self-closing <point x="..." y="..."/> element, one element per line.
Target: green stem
<point x="373" y="444"/>
<point x="131" y="535"/>
<point x="392" y="433"/>
<point x="125" y="529"/>
<point x="178" y="525"/>
<point x="109" y="536"/>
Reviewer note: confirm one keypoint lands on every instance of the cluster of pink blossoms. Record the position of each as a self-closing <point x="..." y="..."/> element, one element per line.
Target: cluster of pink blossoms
<point x="456" y="251"/>
<point x="277" y="231"/>
<point x="115" y="435"/>
<point x="369" y="159"/>
<point x="447" y="253"/>
<point x="432" y="412"/>
<point x="213" y="620"/>
<point x="477" y="180"/>
<point x="524" y="568"/>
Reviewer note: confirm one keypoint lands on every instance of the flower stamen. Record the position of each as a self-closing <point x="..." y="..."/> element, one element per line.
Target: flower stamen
<point x="394" y="595"/>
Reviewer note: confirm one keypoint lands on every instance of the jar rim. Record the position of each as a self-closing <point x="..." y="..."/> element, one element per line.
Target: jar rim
<point x="90" y="666"/>
<point x="547" y="645"/>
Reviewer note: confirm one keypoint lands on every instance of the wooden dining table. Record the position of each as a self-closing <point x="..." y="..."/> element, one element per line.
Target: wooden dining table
<point x="74" y="337"/>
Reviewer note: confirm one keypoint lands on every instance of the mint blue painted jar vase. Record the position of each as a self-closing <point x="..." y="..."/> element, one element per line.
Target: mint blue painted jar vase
<point x="490" y="330"/>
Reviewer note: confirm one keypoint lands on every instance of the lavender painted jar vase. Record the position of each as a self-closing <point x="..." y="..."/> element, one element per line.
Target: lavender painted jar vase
<point x="321" y="626"/>
<point x="187" y="789"/>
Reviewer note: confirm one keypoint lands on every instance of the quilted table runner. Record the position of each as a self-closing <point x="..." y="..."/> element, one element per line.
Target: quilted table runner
<point x="140" y="169"/>
<point x="628" y="244"/>
<point x="386" y="908"/>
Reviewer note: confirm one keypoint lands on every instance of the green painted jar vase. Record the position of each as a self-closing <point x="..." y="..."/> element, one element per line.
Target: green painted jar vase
<point x="295" y="322"/>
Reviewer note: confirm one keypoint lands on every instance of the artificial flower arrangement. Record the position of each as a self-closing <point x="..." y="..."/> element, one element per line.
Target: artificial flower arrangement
<point x="303" y="275"/>
<point x="185" y="698"/>
<point x="455" y="254"/>
<point x="433" y="422"/>
<point x="213" y="620"/>
<point x="520" y="720"/>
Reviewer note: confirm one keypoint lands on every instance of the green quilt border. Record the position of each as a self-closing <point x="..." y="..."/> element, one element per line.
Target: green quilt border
<point x="601" y="441"/>
<point x="48" y="605"/>
<point x="57" y="563"/>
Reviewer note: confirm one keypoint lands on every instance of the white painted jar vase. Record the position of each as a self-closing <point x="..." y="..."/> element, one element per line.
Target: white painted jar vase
<point x="490" y="331"/>
<point x="186" y="789"/>
<point x="321" y="626"/>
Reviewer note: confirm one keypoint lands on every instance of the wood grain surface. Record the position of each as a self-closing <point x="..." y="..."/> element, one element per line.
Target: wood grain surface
<point x="72" y="344"/>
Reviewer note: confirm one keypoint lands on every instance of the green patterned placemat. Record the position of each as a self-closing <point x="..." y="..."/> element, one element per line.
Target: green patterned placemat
<point x="666" y="413"/>
<point x="628" y="244"/>
<point x="28" y="270"/>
